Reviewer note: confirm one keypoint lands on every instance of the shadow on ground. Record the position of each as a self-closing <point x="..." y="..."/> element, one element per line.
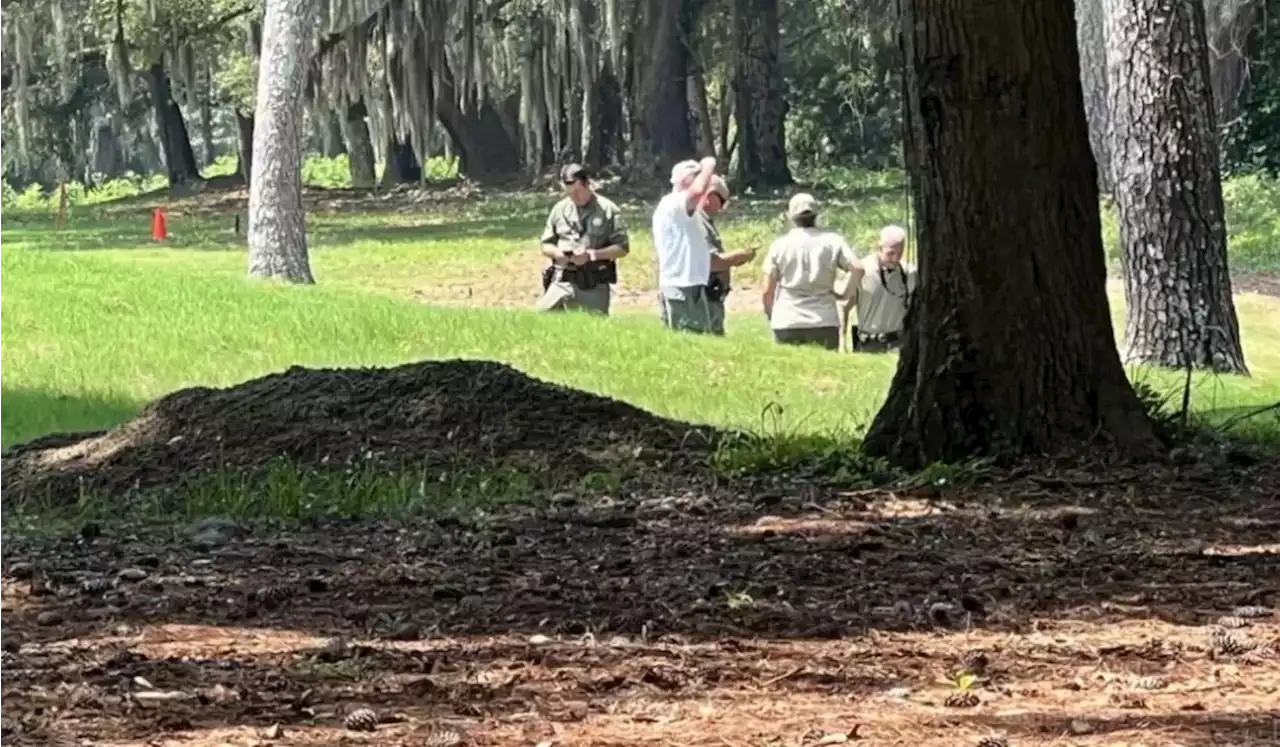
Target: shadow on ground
<point x="738" y="613"/>
<point x="27" y="413"/>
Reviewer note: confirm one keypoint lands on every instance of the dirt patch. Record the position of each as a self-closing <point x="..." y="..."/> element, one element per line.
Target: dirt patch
<point x="447" y="413"/>
<point x="1136" y="607"/>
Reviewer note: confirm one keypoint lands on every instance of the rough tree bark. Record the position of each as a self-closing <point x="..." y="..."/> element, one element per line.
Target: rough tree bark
<point x="1091" y="36"/>
<point x="171" y="128"/>
<point x="1009" y="349"/>
<point x="761" y="110"/>
<point x="1165" y="161"/>
<point x="244" y="144"/>
<point x="359" y="145"/>
<point x="277" y="221"/>
<point x="661" y="133"/>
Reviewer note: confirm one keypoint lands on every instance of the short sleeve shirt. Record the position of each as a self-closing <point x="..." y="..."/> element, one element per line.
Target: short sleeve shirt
<point x="596" y="225"/>
<point x="884" y="296"/>
<point x="680" y="242"/>
<point x="716" y="244"/>
<point x="805" y="263"/>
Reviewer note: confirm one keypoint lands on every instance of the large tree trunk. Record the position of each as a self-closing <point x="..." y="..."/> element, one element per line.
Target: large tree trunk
<point x="171" y="127"/>
<point x="359" y="145"/>
<point x="244" y="144"/>
<point x="1164" y="150"/>
<point x="1091" y="25"/>
<point x="662" y="133"/>
<point x="402" y="164"/>
<point x="757" y="80"/>
<point x="332" y="144"/>
<point x="1009" y="349"/>
<point x="277" y="221"/>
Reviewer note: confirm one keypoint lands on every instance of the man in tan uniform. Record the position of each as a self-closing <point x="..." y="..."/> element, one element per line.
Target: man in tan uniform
<point x="721" y="261"/>
<point x="880" y="288"/>
<point x="800" y="274"/>
<point x="584" y="237"/>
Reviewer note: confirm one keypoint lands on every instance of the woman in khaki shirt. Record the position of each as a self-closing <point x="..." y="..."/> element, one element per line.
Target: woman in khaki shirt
<point x="800" y="274"/>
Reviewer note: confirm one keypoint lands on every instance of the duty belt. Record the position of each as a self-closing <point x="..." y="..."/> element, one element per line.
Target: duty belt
<point x="883" y="337"/>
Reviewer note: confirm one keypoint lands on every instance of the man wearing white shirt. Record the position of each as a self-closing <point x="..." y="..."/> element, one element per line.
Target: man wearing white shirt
<point x="680" y="243"/>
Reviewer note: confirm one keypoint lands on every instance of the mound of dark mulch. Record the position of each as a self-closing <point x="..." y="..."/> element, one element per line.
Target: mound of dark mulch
<point x="450" y="414"/>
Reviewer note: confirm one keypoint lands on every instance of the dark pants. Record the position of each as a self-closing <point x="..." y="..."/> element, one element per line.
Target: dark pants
<point x="827" y="337"/>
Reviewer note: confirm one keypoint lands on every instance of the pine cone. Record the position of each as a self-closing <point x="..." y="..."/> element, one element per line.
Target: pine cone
<point x="95" y="586"/>
<point x="963" y="699"/>
<point x="1151" y="683"/>
<point x="444" y="738"/>
<point x="1225" y="643"/>
<point x="974" y="661"/>
<point x="993" y="742"/>
<point x="1127" y="700"/>
<point x="1252" y="611"/>
<point x="272" y="596"/>
<point x="1232" y="621"/>
<point x="361" y="719"/>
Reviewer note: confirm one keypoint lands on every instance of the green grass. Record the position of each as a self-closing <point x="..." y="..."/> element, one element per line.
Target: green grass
<point x="97" y="320"/>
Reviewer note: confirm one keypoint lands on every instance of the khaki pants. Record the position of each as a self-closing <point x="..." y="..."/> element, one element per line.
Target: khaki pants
<point x="562" y="296"/>
<point x="686" y="309"/>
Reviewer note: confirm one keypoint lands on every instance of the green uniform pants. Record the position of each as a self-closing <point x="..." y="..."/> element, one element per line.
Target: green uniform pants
<point x="562" y="296"/>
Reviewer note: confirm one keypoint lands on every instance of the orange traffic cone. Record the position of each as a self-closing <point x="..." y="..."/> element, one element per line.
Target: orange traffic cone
<point x="159" y="229"/>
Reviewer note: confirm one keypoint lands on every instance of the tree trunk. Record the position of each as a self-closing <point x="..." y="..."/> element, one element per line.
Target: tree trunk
<point x="206" y="130"/>
<point x="360" y="146"/>
<point x="700" y="109"/>
<point x="1091" y="35"/>
<point x="402" y="164"/>
<point x="1164" y="150"/>
<point x="761" y="110"/>
<point x="332" y="142"/>
<point x="486" y="147"/>
<point x="608" y="143"/>
<point x="171" y="127"/>
<point x="662" y="133"/>
<point x="244" y="144"/>
<point x="277" y="221"/>
<point x="1009" y="349"/>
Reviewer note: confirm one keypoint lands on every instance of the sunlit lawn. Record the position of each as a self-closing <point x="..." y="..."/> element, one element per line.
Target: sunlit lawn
<point x="98" y="320"/>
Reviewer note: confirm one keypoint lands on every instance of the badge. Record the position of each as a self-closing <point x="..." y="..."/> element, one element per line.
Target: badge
<point x="597" y="221"/>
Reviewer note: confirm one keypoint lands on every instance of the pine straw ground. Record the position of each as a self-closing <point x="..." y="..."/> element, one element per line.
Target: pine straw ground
<point x="782" y="616"/>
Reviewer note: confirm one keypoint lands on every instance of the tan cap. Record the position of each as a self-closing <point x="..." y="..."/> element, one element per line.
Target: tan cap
<point x="684" y="170"/>
<point x="802" y="204"/>
<point x="720" y="187"/>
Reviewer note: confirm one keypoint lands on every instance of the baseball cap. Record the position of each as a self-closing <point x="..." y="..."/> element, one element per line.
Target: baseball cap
<point x="802" y="204"/>
<point x="574" y="172"/>
<point x="684" y="170"/>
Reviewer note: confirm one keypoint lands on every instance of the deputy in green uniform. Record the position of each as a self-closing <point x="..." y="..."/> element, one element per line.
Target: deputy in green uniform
<point x="584" y="237"/>
<point x="721" y="261"/>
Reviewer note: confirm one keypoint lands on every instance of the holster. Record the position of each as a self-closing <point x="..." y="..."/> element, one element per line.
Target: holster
<point x="716" y="289"/>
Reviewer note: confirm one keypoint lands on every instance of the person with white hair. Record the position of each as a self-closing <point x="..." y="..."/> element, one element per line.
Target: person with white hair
<point x="800" y="274"/>
<point x="680" y="245"/>
<point x="880" y="288"/>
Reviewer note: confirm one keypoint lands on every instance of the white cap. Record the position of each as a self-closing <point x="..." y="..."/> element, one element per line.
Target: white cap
<point x="802" y="204"/>
<point x="684" y="170"/>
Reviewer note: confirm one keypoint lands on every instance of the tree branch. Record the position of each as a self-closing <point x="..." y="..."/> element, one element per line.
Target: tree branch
<point x="218" y="23"/>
